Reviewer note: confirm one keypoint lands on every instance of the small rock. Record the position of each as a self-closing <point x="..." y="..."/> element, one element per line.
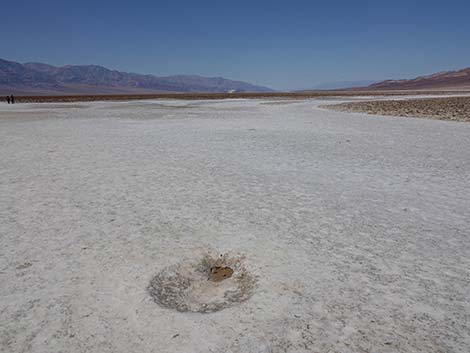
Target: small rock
<point x="23" y="266"/>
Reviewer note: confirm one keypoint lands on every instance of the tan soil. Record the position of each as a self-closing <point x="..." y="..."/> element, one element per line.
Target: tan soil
<point x="220" y="273"/>
<point x="199" y="96"/>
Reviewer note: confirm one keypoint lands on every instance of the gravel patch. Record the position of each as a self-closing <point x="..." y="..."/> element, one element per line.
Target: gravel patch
<point x="448" y="108"/>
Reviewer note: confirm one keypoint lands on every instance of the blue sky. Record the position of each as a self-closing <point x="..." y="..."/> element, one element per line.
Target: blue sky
<point x="281" y="44"/>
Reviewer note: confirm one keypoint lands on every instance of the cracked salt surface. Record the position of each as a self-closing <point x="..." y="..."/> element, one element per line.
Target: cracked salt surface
<point x="355" y="227"/>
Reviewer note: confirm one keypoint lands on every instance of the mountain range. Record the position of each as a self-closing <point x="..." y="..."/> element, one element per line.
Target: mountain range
<point x="449" y="80"/>
<point x="44" y="79"/>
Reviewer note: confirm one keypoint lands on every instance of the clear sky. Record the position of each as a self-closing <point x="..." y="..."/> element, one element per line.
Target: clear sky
<point x="281" y="44"/>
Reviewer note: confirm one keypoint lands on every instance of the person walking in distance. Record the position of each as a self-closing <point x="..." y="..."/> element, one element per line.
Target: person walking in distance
<point x="8" y="99"/>
<point x="12" y="98"/>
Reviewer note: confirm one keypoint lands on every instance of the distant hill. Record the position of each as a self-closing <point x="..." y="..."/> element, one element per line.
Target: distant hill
<point x="442" y="80"/>
<point x="39" y="78"/>
<point x="335" y="85"/>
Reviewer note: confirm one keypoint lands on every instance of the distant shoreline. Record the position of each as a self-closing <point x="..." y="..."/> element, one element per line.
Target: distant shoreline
<point x="209" y="96"/>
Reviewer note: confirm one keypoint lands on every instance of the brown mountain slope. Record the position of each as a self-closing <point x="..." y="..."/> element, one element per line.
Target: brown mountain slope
<point x="44" y="79"/>
<point x="442" y="80"/>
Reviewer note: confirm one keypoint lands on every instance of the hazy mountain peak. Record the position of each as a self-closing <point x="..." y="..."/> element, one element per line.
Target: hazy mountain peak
<point x="39" y="67"/>
<point x="37" y="78"/>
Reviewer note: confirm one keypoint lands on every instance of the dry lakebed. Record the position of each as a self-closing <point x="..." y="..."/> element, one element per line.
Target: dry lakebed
<point x="238" y="225"/>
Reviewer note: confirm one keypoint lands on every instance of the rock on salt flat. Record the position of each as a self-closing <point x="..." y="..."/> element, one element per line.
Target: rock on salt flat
<point x="356" y="228"/>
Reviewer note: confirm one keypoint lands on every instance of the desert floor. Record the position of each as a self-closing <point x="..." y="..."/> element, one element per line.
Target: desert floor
<point x="355" y="228"/>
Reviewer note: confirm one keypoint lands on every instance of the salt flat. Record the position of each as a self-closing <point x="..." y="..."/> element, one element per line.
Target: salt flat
<point x="355" y="227"/>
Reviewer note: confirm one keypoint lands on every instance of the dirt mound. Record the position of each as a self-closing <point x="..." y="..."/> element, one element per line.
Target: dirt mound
<point x="208" y="285"/>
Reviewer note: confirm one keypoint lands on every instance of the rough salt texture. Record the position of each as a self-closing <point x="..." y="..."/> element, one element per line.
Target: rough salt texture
<point x="356" y="227"/>
<point x="447" y="108"/>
